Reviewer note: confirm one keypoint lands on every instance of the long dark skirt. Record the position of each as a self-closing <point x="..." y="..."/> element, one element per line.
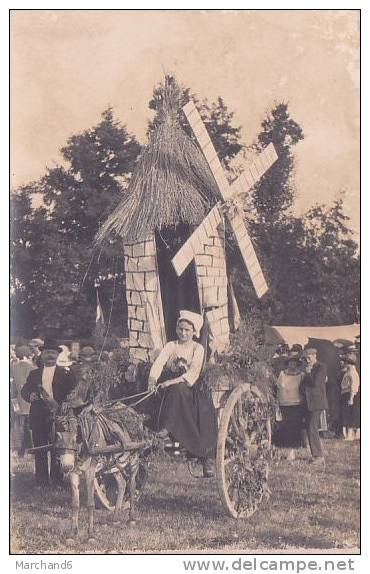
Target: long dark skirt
<point x="288" y="433"/>
<point x="189" y="415"/>
<point x="334" y="399"/>
<point x="351" y="413"/>
<point x="20" y="434"/>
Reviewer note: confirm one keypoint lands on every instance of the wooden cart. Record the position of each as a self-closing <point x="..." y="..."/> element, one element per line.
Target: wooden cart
<point x="242" y="458"/>
<point x="243" y="452"/>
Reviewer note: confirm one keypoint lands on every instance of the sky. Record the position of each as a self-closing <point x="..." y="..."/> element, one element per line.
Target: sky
<point x="68" y="66"/>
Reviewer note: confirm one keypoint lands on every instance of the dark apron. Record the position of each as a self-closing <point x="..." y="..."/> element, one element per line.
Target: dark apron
<point x="189" y="415"/>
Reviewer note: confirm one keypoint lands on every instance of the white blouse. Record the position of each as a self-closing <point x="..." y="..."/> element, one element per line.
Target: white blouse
<point x="174" y="354"/>
<point x="351" y="381"/>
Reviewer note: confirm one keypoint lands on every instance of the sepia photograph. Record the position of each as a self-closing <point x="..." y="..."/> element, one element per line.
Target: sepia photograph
<point x="185" y="372"/>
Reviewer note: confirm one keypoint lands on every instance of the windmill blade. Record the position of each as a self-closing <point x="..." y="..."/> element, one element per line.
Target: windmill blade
<point x="192" y="246"/>
<point x="256" y="168"/>
<point x="184" y="256"/>
<point x="206" y="145"/>
<point x="247" y="251"/>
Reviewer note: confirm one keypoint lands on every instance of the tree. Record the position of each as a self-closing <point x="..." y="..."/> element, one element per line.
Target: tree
<point x="329" y="289"/>
<point x="100" y="161"/>
<point x="23" y="235"/>
<point x="274" y="194"/>
<point x="275" y="232"/>
<point x="59" y="278"/>
<point x="317" y="281"/>
<point x="311" y="263"/>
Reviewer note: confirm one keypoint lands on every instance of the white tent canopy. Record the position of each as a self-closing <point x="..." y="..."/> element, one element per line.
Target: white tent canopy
<point x="291" y="335"/>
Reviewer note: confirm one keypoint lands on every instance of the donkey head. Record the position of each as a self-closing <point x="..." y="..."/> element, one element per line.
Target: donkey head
<point x="66" y="428"/>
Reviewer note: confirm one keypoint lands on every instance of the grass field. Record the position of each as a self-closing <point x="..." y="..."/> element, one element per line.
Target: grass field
<point x="310" y="509"/>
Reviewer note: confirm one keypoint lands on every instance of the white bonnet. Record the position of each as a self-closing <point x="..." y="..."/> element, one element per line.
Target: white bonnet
<point x="194" y="318"/>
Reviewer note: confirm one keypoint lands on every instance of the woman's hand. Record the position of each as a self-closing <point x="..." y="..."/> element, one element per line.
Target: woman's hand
<point x="34" y="397"/>
<point x="168" y="383"/>
<point x="151" y="384"/>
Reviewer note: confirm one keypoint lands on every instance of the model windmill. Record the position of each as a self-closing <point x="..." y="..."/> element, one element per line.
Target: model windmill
<point x="255" y="170"/>
<point x="177" y="187"/>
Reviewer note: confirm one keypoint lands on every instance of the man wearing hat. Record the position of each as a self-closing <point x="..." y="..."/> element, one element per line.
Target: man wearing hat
<point x="314" y="392"/>
<point x="36" y="345"/>
<point x="46" y="388"/>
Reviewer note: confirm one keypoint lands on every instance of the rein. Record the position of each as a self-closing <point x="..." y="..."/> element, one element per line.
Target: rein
<point x="147" y="393"/>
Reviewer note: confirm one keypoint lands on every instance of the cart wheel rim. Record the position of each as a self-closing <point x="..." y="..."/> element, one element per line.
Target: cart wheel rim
<point x="108" y="500"/>
<point x="250" y="462"/>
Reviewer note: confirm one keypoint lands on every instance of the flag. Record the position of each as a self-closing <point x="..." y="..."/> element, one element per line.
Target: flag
<point x="233" y="310"/>
<point x="99" y="311"/>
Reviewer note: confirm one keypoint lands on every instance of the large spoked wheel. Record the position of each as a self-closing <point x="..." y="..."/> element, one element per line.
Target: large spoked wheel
<point x="243" y="451"/>
<point x="106" y="487"/>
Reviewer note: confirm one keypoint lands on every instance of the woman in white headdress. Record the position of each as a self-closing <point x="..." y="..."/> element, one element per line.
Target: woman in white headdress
<point x="350" y="402"/>
<point x="185" y="412"/>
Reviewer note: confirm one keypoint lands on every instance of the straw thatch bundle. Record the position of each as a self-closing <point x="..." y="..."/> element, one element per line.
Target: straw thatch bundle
<point x="171" y="184"/>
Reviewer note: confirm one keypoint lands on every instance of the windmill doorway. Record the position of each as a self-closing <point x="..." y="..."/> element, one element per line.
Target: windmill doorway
<point x="177" y="292"/>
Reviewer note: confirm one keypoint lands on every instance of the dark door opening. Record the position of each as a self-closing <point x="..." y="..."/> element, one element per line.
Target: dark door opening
<point x="177" y="292"/>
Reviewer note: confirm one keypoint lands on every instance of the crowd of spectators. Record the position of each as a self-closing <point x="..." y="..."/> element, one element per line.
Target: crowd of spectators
<point x="45" y="372"/>
<point x="304" y="414"/>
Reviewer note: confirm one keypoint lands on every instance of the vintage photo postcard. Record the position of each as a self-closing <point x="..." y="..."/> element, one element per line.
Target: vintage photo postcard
<point x="185" y="283"/>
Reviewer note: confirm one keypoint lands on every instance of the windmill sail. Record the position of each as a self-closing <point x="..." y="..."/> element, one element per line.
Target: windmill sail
<point x="254" y="172"/>
<point x="207" y="148"/>
<point x="248" y="253"/>
<point x="186" y="254"/>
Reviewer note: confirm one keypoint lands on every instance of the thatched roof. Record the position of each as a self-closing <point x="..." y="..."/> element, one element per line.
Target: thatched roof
<point x="171" y="183"/>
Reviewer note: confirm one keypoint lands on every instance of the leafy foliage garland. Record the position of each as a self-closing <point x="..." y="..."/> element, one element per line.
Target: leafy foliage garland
<point x="247" y="447"/>
<point x="248" y="360"/>
<point x="248" y="472"/>
<point x="104" y="382"/>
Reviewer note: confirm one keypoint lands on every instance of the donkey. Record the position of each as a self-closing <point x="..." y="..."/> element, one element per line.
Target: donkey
<point x="84" y="440"/>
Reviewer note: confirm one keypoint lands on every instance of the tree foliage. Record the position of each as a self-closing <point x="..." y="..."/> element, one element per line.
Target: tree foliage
<point x="329" y="279"/>
<point x="274" y="230"/>
<point x="274" y="194"/>
<point x="311" y="263"/>
<point x="54" y="269"/>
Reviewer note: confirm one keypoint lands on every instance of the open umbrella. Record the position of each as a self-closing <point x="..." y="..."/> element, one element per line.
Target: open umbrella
<point x="342" y="343"/>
